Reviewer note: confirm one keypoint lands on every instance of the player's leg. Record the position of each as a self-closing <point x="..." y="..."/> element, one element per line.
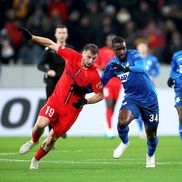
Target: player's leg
<point x="111" y="93"/>
<point x="125" y="117"/>
<point x="152" y="142"/>
<point x="128" y="112"/>
<point x="37" y="132"/>
<point x="49" y="90"/>
<point x="50" y="86"/>
<point x="47" y="145"/>
<point x="141" y="127"/>
<point x="178" y="105"/>
<point x="179" y="110"/>
<point x="110" y="104"/>
<point x="150" y="117"/>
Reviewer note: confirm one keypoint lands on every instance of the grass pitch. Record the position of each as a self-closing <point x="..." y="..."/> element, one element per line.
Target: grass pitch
<point x="89" y="159"/>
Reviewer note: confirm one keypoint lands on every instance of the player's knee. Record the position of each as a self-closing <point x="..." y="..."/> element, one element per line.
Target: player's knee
<point x="180" y="119"/>
<point x="122" y="122"/>
<point x="38" y="130"/>
<point x="38" y="126"/>
<point x="122" y="125"/>
<point x="151" y="137"/>
<point x="50" y="141"/>
<point x="152" y="142"/>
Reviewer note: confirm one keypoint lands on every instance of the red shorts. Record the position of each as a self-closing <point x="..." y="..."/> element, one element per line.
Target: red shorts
<point x="61" y="117"/>
<point x="112" y="89"/>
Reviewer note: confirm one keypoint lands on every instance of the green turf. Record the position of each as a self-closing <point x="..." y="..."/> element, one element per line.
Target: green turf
<point x="89" y="159"/>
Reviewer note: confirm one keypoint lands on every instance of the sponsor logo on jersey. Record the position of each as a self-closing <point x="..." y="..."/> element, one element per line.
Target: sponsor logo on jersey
<point x="99" y="85"/>
<point x="123" y="77"/>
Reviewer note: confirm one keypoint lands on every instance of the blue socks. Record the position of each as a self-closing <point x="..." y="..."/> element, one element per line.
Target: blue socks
<point x="123" y="134"/>
<point x="152" y="145"/>
<point x="180" y="130"/>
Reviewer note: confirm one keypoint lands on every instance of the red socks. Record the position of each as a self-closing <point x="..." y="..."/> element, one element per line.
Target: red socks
<point x="109" y="113"/>
<point x="35" y="138"/>
<point x="40" y="153"/>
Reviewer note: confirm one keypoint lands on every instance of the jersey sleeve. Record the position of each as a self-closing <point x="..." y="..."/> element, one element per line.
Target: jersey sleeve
<point x="97" y="85"/>
<point x="139" y="63"/>
<point x="107" y="75"/>
<point x="67" y="53"/>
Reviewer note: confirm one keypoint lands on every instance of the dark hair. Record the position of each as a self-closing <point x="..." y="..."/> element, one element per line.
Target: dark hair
<point x="117" y="40"/>
<point x="61" y="26"/>
<point x="92" y="47"/>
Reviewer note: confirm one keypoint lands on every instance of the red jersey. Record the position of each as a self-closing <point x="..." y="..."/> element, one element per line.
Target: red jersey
<point x="74" y="73"/>
<point x="105" y="55"/>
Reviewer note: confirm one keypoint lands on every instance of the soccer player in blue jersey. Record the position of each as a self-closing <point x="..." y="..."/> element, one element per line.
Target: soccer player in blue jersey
<point x="140" y="97"/>
<point x="175" y="78"/>
<point x="152" y="69"/>
<point x="151" y="61"/>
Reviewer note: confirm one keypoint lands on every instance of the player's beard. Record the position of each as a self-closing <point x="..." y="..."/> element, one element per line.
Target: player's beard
<point x="84" y="65"/>
<point x="87" y="65"/>
<point x="122" y="56"/>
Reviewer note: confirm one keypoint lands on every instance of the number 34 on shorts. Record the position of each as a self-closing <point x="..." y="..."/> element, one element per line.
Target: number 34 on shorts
<point x="154" y="117"/>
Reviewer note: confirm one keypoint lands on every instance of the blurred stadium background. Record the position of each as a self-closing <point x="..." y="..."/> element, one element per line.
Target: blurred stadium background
<point x="84" y="158"/>
<point x="21" y="87"/>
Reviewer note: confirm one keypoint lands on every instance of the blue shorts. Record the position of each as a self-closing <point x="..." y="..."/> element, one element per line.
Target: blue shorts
<point x="178" y="99"/>
<point x="149" y="113"/>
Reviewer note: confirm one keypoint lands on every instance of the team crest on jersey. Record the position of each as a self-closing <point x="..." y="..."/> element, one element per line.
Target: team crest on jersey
<point x="177" y="99"/>
<point x="99" y="85"/>
<point x="123" y="77"/>
<point x="137" y="56"/>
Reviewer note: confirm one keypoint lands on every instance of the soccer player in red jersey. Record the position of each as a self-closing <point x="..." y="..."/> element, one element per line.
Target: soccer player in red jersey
<point x="112" y="89"/>
<point x="62" y="108"/>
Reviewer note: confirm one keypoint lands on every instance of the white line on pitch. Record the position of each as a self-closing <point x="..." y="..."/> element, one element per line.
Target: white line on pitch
<point x="87" y="162"/>
<point x="8" y="153"/>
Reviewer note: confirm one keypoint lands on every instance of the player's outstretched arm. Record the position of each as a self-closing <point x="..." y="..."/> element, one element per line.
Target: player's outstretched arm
<point x="95" y="98"/>
<point x="39" y="40"/>
<point x="45" y="42"/>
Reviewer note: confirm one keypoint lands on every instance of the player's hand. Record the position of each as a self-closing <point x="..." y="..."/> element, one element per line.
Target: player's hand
<point x="51" y="73"/>
<point x="170" y="82"/>
<point x="25" y="32"/>
<point x="80" y="103"/>
<point x="117" y="67"/>
<point x="77" y="89"/>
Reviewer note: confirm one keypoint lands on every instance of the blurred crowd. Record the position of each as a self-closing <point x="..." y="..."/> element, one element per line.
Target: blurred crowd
<point x="157" y="21"/>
